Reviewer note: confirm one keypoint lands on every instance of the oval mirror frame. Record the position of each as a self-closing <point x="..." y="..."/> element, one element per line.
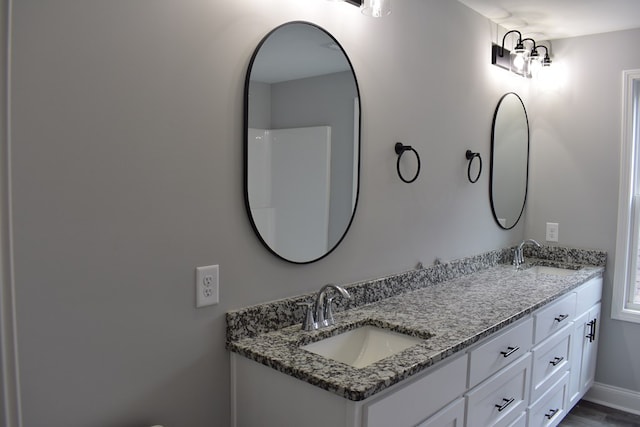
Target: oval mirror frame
<point x="509" y="172"/>
<point x="336" y="224"/>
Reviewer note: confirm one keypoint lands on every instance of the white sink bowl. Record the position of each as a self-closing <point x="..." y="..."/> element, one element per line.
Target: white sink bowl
<point x="554" y="271"/>
<point x="362" y="346"/>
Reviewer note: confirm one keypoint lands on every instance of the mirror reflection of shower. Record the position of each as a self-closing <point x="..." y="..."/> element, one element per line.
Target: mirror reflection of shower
<point x="302" y="142"/>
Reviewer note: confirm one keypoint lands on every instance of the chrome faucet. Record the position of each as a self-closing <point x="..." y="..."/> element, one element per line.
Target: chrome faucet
<point x="518" y="256"/>
<point x="319" y="313"/>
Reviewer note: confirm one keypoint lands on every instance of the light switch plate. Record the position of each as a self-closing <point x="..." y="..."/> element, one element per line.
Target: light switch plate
<point x="552" y="232"/>
<point x="207" y="285"/>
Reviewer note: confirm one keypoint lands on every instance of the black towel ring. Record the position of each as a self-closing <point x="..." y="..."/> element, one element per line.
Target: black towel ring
<point x="470" y="156"/>
<point x="400" y="149"/>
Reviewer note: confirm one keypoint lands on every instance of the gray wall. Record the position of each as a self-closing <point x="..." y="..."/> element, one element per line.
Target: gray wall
<point x="575" y="172"/>
<point x="127" y="174"/>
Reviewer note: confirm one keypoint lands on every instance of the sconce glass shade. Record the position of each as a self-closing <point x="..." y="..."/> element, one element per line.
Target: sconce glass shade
<point x="519" y="58"/>
<point x="542" y="65"/>
<point x="376" y="8"/>
<point x="518" y="62"/>
<point x="535" y="65"/>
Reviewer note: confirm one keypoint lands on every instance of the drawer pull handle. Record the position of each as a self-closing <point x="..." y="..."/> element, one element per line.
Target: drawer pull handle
<point x="561" y="317"/>
<point x="556" y="360"/>
<point x="510" y="352"/>
<point x="552" y="413"/>
<point x="506" y="403"/>
<point x="592" y="330"/>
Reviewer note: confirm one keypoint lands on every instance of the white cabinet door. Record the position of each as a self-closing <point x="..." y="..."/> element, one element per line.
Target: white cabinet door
<point x="577" y="342"/>
<point x="584" y="351"/>
<point x="590" y="349"/>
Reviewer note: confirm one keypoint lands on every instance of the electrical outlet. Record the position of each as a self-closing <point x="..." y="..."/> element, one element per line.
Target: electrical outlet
<point x="552" y="232"/>
<point x="207" y="285"/>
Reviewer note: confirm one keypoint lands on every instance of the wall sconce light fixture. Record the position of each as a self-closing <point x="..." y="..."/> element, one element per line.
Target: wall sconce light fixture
<point x="520" y="60"/>
<point x="512" y="61"/>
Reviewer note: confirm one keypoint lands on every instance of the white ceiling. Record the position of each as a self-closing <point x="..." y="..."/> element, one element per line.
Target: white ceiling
<point x="555" y="19"/>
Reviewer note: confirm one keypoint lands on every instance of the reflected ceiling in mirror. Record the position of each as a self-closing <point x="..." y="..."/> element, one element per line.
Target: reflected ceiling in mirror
<point x="509" y="161"/>
<point x="302" y="142"/>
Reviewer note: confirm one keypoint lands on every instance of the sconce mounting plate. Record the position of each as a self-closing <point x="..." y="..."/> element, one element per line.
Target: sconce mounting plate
<point x="503" y="61"/>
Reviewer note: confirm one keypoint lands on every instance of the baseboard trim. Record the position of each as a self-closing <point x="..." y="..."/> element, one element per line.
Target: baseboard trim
<point x="614" y="397"/>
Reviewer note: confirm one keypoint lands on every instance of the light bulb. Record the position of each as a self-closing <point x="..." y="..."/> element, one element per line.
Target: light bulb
<point x="376" y="8"/>
<point x="518" y="62"/>
<point x="534" y="66"/>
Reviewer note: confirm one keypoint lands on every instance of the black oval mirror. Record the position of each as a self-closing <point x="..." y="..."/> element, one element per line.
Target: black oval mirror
<point x="509" y="161"/>
<point x="302" y="142"/>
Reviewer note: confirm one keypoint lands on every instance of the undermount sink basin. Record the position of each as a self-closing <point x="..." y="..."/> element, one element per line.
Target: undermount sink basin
<point x="362" y="346"/>
<point x="554" y="271"/>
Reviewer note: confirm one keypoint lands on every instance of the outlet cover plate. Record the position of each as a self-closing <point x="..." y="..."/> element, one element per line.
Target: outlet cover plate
<point x="207" y="285"/>
<point x="552" y="232"/>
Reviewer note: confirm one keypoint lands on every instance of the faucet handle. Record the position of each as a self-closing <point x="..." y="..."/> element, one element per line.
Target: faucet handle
<point x="309" y="323"/>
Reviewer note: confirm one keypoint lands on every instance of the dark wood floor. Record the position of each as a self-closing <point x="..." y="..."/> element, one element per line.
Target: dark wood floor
<point x="587" y="414"/>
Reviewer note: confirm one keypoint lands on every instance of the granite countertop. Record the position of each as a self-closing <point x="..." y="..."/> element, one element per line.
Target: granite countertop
<point x="452" y="314"/>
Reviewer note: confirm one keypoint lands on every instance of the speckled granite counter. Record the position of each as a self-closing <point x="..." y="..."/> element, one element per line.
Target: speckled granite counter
<point x="452" y="305"/>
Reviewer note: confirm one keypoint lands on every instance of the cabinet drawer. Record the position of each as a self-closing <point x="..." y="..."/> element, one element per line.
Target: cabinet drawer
<point x="521" y="421"/>
<point x="419" y="399"/>
<point x="550" y="409"/>
<point x="588" y="295"/>
<point x="554" y="317"/>
<point x="451" y="416"/>
<point x="550" y="361"/>
<point x="500" y="400"/>
<point x="498" y="352"/>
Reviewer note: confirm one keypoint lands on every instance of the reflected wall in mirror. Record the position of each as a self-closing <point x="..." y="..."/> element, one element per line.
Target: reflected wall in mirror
<point x="302" y="142"/>
<point x="509" y="161"/>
